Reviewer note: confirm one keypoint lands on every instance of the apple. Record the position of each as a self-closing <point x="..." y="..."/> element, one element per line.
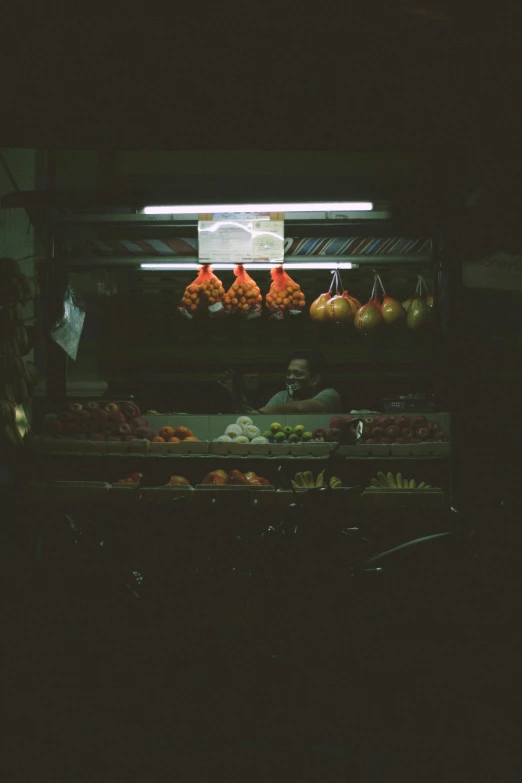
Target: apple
<point x="101" y="416"/>
<point x="416" y="440"/>
<point x="82" y="415"/>
<point x="117" y="417"/>
<point x="336" y="422"/>
<point x="371" y="441"/>
<point x="386" y="440"/>
<point x="114" y="437"/>
<point x="65" y="417"/>
<point x="433" y="427"/>
<point x="136" y="477"/>
<point x="92" y="406"/>
<point x="440" y="436"/>
<point x="418" y="421"/>
<point x="319" y="432"/>
<point x="74" y="407"/>
<point x="393" y="431"/>
<point x="422" y="433"/>
<point x="124" y="429"/>
<point x="400" y="440"/>
<point x="383" y="421"/>
<point x="369" y="421"/>
<point x="112" y="407"/>
<point x="332" y="436"/>
<point x="179" y="481"/>
<point x="403" y="421"/>
<point x="377" y="432"/>
<point x="407" y="432"/>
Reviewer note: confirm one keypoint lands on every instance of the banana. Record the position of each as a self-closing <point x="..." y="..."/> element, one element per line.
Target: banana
<point x="295" y="484"/>
<point x="413" y="485"/>
<point x="299" y="481"/>
<point x="7" y="412"/>
<point x="382" y="478"/>
<point x="31" y="374"/>
<point x="320" y="480"/>
<point x="375" y="483"/>
<point x="391" y="480"/>
<point x="428" y="486"/>
<point x="422" y="485"/>
<point x="399" y="481"/>
<point x="308" y="479"/>
<point x="335" y="482"/>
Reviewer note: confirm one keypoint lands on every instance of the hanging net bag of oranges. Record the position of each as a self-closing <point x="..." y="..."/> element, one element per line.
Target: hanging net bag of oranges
<point x="243" y="297"/>
<point x="285" y="296"/>
<point x="205" y="295"/>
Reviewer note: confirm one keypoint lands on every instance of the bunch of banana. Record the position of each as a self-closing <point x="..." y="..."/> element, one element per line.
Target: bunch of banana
<point x="389" y="481"/>
<point x="8" y="427"/>
<point x="305" y="480"/>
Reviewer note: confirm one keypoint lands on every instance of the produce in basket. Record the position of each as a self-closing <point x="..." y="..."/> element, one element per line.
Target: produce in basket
<point x="204" y="295"/>
<point x="285" y="296"/>
<point x="401" y="429"/>
<point x="305" y="480"/>
<point x="389" y="481"/>
<point x="243" y="297"/>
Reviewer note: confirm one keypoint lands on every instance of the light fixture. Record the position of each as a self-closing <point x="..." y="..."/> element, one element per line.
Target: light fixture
<point x="192" y="267"/>
<point x="205" y="209"/>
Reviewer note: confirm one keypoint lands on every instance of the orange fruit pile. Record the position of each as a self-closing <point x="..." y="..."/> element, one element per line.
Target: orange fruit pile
<point x="289" y="298"/>
<point x="199" y="296"/>
<point x="242" y="296"/>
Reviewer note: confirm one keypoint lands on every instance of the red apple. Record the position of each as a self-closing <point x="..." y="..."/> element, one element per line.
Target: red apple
<point x="112" y="407"/>
<point x="336" y="422"/>
<point x="179" y="481"/>
<point x="124" y="429"/>
<point x="403" y="421"/>
<point x="369" y="421"/>
<point x="407" y="432"/>
<point x="92" y="406"/>
<point x="377" y="432"/>
<point x="83" y="415"/>
<point x="65" y="417"/>
<point x="74" y="407"/>
<point x="332" y="436"/>
<point x="386" y="440"/>
<point x="433" y="427"/>
<point x="422" y="433"/>
<point x="383" y="421"/>
<point x="136" y="477"/>
<point x="117" y="417"/>
<point x="371" y="441"/>
<point x="418" y="421"/>
<point x="393" y="431"/>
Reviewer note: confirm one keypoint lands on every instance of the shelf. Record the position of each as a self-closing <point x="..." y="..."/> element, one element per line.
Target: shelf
<point x="235" y="457"/>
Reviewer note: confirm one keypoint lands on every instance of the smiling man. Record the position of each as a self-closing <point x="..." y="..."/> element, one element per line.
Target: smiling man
<point x="304" y="391"/>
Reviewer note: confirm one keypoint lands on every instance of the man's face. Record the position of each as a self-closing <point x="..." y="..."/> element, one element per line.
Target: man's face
<point x="298" y="373"/>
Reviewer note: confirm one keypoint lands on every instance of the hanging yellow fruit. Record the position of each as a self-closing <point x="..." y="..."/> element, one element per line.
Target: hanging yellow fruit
<point x="419" y="314"/>
<point x="317" y="308"/>
<point x="368" y="318"/>
<point x="353" y="302"/>
<point x="338" y="309"/>
<point x="392" y="311"/>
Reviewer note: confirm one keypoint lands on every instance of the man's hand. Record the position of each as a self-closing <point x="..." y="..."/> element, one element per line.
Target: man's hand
<point x="227" y="381"/>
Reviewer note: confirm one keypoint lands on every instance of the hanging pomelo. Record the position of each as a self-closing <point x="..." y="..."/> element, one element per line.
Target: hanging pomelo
<point x="368" y="318"/>
<point x="407" y="303"/>
<point x="354" y="303"/>
<point x="317" y="308"/>
<point x="392" y="311"/>
<point x="419" y="314"/>
<point x="338" y="309"/>
<point x="429" y="301"/>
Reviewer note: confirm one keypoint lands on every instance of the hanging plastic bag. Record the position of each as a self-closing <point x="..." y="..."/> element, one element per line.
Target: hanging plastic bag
<point x="419" y="307"/>
<point x="243" y="297"/>
<point x="392" y="310"/>
<point x="284" y="296"/>
<point x="204" y="295"/>
<point x="67" y="331"/>
<point x="368" y="318"/>
<point x="340" y="307"/>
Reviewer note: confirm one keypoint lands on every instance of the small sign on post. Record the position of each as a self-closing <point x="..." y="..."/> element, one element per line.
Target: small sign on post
<point x="240" y="237"/>
<point x="501" y="271"/>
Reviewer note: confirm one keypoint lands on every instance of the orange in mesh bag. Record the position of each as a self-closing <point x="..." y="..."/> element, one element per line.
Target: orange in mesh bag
<point x="204" y="295"/>
<point x="243" y="297"/>
<point x="284" y="296"/>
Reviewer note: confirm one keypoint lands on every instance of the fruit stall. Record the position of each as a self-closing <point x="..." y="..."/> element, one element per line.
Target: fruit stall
<point x="129" y="427"/>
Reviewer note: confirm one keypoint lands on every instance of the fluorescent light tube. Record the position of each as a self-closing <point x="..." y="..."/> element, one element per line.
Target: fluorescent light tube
<point x="192" y="267"/>
<point x="204" y="209"/>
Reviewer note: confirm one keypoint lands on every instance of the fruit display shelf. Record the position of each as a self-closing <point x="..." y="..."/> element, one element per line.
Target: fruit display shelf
<point x="374" y="499"/>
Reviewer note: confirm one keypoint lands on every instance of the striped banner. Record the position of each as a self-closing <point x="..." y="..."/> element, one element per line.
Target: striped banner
<point x="301" y="246"/>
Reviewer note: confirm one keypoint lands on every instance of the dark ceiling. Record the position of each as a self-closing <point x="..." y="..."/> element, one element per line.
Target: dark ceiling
<point x="374" y="75"/>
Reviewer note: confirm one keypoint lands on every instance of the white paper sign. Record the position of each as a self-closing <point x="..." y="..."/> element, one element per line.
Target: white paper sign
<point x="502" y="271"/>
<point x="239" y="241"/>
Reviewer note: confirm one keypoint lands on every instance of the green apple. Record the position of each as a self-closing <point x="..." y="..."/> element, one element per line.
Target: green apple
<point x="288" y="431"/>
<point x="299" y="430"/>
<point x="306" y="436"/>
<point x="293" y="438"/>
<point x="279" y="437"/>
<point x="267" y="434"/>
<point x="275" y="427"/>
